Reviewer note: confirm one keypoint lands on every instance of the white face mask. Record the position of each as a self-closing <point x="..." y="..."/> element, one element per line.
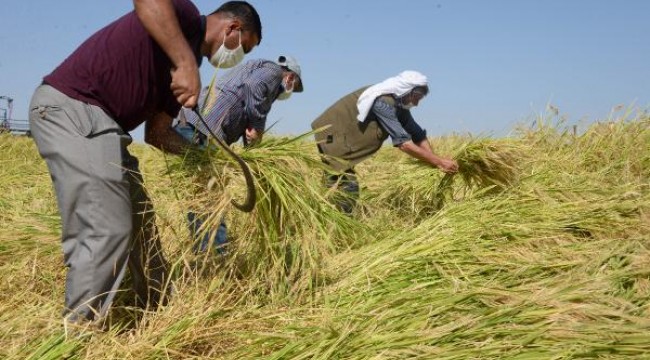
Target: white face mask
<point x="284" y="95"/>
<point x="407" y="106"/>
<point x="225" y="58"/>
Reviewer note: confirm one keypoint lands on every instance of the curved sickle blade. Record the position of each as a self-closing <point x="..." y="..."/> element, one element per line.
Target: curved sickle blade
<point x="249" y="204"/>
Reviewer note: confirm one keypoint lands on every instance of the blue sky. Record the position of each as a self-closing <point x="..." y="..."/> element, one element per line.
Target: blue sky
<point x="491" y="64"/>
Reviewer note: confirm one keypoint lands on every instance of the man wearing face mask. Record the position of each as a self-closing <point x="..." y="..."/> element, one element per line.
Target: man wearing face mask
<point x="236" y="107"/>
<point x="361" y="121"/>
<point x="139" y="69"/>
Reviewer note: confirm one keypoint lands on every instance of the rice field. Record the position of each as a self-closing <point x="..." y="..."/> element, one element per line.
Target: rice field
<point x="538" y="249"/>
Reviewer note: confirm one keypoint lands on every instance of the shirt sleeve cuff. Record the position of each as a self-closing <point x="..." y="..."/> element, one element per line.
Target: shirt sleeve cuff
<point x="420" y="137"/>
<point x="258" y="125"/>
<point x="397" y="141"/>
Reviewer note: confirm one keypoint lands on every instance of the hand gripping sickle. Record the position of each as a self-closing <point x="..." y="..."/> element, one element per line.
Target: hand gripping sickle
<point x="249" y="204"/>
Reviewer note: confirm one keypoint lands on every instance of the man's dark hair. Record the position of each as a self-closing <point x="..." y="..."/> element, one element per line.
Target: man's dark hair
<point x="245" y="12"/>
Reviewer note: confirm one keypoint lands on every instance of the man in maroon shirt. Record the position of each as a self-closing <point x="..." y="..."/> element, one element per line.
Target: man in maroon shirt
<point x="140" y="68"/>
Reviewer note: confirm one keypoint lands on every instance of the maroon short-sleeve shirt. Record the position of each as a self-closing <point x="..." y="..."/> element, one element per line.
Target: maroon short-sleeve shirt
<point x="122" y="69"/>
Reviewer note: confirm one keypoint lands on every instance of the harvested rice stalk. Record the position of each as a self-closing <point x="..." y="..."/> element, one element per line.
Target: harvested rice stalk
<point x="293" y="226"/>
<point x="482" y="164"/>
<point x="412" y="188"/>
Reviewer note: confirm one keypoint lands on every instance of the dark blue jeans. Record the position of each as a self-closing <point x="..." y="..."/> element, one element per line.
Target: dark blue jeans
<point x="216" y="239"/>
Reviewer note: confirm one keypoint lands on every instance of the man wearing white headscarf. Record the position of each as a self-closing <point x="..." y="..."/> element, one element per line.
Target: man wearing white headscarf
<point x="359" y="123"/>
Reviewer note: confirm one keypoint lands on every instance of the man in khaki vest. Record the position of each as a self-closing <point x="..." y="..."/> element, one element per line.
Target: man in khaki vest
<point x="360" y="122"/>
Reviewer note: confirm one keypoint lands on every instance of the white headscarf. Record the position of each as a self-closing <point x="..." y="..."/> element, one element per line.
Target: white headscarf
<point x="398" y="85"/>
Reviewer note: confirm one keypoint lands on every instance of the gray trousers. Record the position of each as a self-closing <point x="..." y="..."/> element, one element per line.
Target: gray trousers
<point x="107" y="217"/>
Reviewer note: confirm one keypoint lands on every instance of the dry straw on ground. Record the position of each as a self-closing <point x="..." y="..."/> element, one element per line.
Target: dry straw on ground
<point x="545" y="258"/>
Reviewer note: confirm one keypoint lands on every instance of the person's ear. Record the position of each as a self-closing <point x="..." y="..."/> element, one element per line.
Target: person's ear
<point x="235" y="25"/>
<point x="294" y="79"/>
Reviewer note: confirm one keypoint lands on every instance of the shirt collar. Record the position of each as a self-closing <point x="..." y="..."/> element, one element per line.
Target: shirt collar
<point x="201" y="40"/>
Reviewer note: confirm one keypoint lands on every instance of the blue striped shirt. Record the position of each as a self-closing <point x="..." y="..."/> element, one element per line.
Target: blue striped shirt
<point x="244" y="98"/>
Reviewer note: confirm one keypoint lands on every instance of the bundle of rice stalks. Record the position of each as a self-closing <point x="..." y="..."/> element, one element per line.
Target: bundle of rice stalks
<point x="293" y="226"/>
<point x="482" y="165"/>
<point x="414" y="188"/>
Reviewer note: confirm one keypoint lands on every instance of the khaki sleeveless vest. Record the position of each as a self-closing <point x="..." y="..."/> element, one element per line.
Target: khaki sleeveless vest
<point x="347" y="141"/>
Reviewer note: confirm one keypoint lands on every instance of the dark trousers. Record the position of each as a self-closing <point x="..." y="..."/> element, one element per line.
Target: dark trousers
<point x="348" y="185"/>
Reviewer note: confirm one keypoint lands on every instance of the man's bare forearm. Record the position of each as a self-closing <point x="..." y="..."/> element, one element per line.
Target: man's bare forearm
<point x="422" y="151"/>
<point x="169" y="141"/>
<point x="159" y="133"/>
<point x="159" y="19"/>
